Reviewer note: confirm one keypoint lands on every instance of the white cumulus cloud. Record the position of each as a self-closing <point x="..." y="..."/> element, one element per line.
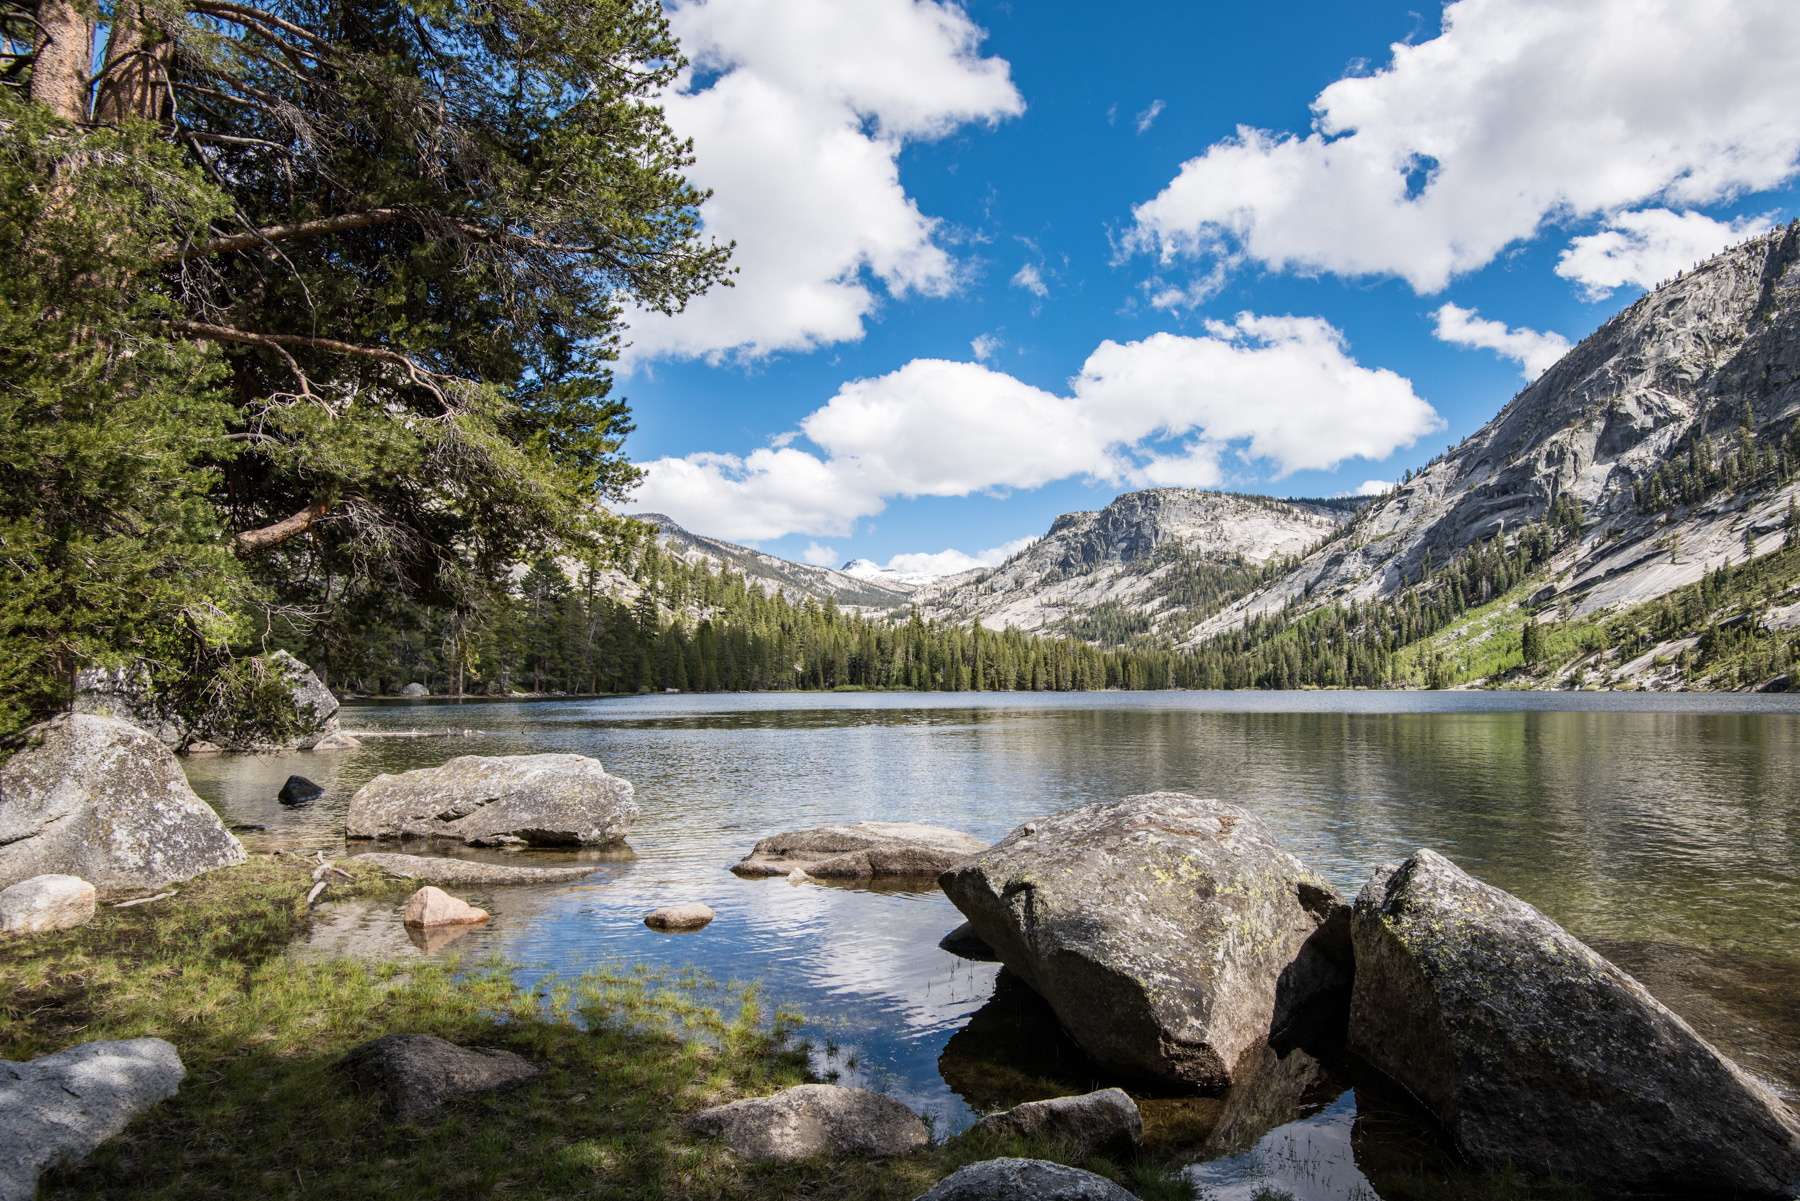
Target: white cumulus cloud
<point x="798" y="117"/>
<point x="819" y="556"/>
<point x="1283" y="391"/>
<point x="950" y="562"/>
<point x="1645" y="248"/>
<point x="1518" y="112"/>
<point x="1536" y="353"/>
<point x="1374" y="487"/>
<point x="984" y="346"/>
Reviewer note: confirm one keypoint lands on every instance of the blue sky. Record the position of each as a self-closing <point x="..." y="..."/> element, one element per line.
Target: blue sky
<point x="1000" y="262"/>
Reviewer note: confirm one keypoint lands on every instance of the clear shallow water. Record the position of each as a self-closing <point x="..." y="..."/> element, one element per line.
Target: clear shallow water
<point x="1663" y="829"/>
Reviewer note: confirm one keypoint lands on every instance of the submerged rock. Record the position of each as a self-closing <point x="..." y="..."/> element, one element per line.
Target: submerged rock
<point x="337" y="740"/>
<point x="468" y="871"/>
<point x="299" y="790"/>
<point x="96" y="798"/>
<point x="547" y="800"/>
<point x="673" y="918"/>
<point x="430" y="907"/>
<point x="1107" y="1120"/>
<point x="60" y="1107"/>
<point x="45" y="903"/>
<point x="416" y="1073"/>
<point x="860" y="850"/>
<point x="1535" y="1051"/>
<point x="1024" y="1180"/>
<point x="1163" y="929"/>
<point x="813" y="1119"/>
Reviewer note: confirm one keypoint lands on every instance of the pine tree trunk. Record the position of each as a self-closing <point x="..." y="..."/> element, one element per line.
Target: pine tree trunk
<point x="135" y="80"/>
<point x="59" y="67"/>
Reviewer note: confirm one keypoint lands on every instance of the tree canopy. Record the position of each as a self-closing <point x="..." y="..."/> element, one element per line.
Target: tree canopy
<point x="308" y="299"/>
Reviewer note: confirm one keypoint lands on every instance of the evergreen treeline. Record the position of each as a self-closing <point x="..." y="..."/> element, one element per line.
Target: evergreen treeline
<point x="1703" y="469"/>
<point x="695" y="628"/>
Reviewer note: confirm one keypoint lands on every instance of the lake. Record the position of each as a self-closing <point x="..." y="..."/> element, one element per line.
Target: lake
<point x="1662" y="829"/>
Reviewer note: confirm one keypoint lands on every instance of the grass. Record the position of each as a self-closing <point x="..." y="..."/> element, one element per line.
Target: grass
<point x="265" y="1113"/>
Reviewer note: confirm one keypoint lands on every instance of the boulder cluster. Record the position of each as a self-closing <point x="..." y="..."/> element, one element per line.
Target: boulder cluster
<point x="1179" y="944"/>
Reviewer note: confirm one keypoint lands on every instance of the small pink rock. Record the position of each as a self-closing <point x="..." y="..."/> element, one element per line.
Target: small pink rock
<point x="434" y="907"/>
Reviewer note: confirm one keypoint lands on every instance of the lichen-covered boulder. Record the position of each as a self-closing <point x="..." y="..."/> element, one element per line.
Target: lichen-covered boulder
<point x="45" y="903"/>
<point x="1024" y="1180"/>
<point x="100" y="799"/>
<point x="860" y="850"/>
<point x="59" y="1107"/>
<point x="1163" y="929"/>
<point x="543" y="800"/>
<point x="314" y="703"/>
<point x="1107" y="1120"/>
<point x="1535" y="1051"/>
<point x="813" y="1119"/>
<point x="127" y="694"/>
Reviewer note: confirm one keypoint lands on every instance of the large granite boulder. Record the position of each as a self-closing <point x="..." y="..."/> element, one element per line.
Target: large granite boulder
<point x="543" y="800"/>
<point x="60" y="1107"/>
<point x="127" y="694"/>
<point x="1107" y="1120"/>
<point x="1536" y="1052"/>
<point x="1024" y="1180"/>
<point x="1168" y="932"/>
<point x="314" y="703"/>
<point x="45" y="903"/>
<point x="813" y="1119"/>
<point x="97" y="798"/>
<point x="417" y="1073"/>
<point x="860" y="850"/>
<point x="430" y="907"/>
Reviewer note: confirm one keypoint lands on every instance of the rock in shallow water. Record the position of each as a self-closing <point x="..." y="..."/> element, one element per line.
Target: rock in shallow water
<point x="1535" y="1051"/>
<point x="1168" y="932"/>
<point x="100" y="799"/>
<point x="1024" y="1180"/>
<point x="813" y="1119"/>
<point x="672" y="918"/>
<point x="964" y="943"/>
<point x="469" y="871"/>
<point x="45" y="903"/>
<point x="299" y="790"/>
<point x="860" y="850"/>
<point x="1107" y="1120"/>
<point x="60" y="1107"/>
<point x="430" y="907"/>
<point x="547" y="800"/>
<point x="416" y="1073"/>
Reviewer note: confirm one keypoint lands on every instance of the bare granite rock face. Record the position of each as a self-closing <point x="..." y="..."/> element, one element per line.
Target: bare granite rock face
<point x="417" y="1073"/>
<point x="860" y="850"/>
<point x="45" y="903"/>
<point x="1107" y="1120"/>
<point x="60" y="1107"/>
<point x="1689" y="359"/>
<point x="1536" y="1052"/>
<point x="440" y="870"/>
<point x="1024" y="1180"/>
<point x="813" y="1119"/>
<point x="1163" y="929"/>
<point x="103" y="800"/>
<point x="542" y="800"/>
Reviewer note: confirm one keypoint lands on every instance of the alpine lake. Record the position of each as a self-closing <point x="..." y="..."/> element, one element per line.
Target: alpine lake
<point x="1663" y="830"/>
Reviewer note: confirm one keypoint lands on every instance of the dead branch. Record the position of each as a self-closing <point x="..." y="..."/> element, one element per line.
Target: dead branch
<point x="252" y="541"/>
<point x="278" y="233"/>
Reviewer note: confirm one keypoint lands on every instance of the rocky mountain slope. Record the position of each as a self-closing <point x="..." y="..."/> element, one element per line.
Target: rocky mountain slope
<point x="771" y="573"/>
<point x="1648" y="423"/>
<point x="1139" y="566"/>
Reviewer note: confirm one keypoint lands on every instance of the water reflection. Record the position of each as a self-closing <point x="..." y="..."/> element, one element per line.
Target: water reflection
<point x="1664" y="829"/>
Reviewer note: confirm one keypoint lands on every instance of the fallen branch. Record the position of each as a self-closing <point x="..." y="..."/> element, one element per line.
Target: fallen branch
<point x="161" y="896"/>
